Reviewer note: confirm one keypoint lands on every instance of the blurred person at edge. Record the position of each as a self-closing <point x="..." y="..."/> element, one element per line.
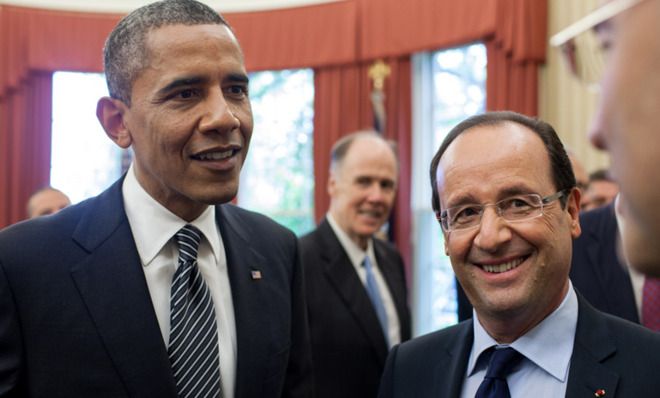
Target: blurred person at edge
<point x="46" y="201"/>
<point x="628" y="116"/>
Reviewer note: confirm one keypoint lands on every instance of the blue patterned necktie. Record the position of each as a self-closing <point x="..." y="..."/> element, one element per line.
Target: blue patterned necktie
<point x="501" y="363"/>
<point x="376" y="299"/>
<point x="193" y="348"/>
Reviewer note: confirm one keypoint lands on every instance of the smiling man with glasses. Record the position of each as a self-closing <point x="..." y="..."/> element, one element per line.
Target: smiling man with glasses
<point x="628" y="116"/>
<point x="506" y="197"/>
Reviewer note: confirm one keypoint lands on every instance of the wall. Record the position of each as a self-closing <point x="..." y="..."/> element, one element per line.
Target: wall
<point x="564" y="102"/>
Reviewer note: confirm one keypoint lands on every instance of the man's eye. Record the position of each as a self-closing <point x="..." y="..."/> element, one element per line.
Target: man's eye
<point x="238" y="90"/>
<point x="466" y="214"/>
<point x="517" y="203"/>
<point x="186" y="94"/>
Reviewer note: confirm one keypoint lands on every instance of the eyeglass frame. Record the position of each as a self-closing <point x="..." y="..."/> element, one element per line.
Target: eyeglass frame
<point x="442" y="215"/>
<point x="598" y="16"/>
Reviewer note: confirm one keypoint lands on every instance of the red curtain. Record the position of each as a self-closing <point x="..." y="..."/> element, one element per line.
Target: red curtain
<point x="25" y="156"/>
<point x="338" y="39"/>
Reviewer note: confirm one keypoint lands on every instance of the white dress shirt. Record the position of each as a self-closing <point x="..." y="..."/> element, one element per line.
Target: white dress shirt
<point x="154" y="227"/>
<point x="357" y="255"/>
<point x="547" y="349"/>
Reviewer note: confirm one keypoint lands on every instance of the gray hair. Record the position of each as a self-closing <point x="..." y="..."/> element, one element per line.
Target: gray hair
<point x="341" y="147"/>
<point x="125" y="53"/>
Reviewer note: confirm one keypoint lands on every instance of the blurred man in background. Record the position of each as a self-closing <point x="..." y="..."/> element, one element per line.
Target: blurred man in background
<point x="356" y="288"/>
<point x="601" y="190"/>
<point x="627" y="119"/>
<point x="46" y="201"/>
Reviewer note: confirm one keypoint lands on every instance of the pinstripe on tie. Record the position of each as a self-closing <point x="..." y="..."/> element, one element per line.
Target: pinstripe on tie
<point x="193" y="348"/>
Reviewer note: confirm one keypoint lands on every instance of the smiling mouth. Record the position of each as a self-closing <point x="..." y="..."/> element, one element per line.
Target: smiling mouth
<point x="503" y="267"/>
<point x="215" y="155"/>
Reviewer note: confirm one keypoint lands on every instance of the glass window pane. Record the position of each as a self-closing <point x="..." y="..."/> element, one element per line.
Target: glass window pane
<point x="278" y="176"/>
<point x="84" y="161"/>
<point x="458" y="80"/>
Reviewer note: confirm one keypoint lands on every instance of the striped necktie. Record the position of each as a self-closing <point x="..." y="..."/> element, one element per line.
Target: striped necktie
<point x="193" y="348"/>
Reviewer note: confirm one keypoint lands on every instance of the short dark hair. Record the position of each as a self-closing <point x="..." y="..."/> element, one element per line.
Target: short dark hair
<point x="601" y="175"/>
<point x="562" y="171"/>
<point x="341" y="147"/>
<point x="125" y="53"/>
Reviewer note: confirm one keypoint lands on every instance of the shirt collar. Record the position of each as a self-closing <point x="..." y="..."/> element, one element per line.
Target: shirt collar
<point x="355" y="253"/>
<point x="556" y="332"/>
<point x="153" y="225"/>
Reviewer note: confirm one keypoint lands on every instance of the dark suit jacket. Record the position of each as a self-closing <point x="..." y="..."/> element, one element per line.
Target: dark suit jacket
<point x="76" y="318"/>
<point x="595" y="269"/>
<point x="609" y="353"/>
<point x="348" y="345"/>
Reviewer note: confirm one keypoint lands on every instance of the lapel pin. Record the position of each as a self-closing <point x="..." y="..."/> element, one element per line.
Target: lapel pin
<point x="255" y="274"/>
<point x="599" y="393"/>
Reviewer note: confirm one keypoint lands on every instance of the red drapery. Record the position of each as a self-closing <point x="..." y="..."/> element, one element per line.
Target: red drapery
<point x="338" y="39"/>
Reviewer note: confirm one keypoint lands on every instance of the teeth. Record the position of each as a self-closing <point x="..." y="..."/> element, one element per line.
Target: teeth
<point x="503" y="267"/>
<point x="216" y="155"/>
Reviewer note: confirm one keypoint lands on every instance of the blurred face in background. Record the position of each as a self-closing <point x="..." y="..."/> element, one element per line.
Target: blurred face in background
<point x="47" y="201"/>
<point x="627" y="124"/>
<point x="599" y="193"/>
<point x="362" y="188"/>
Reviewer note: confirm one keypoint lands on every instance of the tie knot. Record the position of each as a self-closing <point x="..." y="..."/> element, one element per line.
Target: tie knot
<point x="501" y="362"/>
<point x="366" y="263"/>
<point x="188" y="239"/>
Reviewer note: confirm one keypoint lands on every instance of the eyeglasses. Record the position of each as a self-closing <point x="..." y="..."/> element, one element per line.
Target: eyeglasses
<point x="513" y="209"/>
<point x="584" y="44"/>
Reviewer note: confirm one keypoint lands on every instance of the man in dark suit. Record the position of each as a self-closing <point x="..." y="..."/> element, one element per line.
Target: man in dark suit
<point x="355" y="283"/>
<point x="596" y="270"/>
<point x="509" y="215"/>
<point x="93" y="302"/>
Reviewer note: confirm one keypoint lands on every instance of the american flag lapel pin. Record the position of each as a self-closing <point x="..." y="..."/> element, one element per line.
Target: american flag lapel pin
<point x="255" y="274"/>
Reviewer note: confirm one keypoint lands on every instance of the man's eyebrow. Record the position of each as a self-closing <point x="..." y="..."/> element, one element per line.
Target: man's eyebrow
<point x="237" y="77"/>
<point x="462" y="199"/>
<point x="515" y="190"/>
<point x="181" y="82"/>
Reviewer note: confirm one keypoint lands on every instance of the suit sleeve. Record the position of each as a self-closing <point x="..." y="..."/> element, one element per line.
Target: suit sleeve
<point x="299" y="382"/>
<point x="386" y="389"/>
<point x="11" y="346"/>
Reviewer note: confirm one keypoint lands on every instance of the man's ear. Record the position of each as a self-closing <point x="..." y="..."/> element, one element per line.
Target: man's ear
<point x="573" y="207"/>
<point x="332" y="182"/>
<point x="110" y="112"/>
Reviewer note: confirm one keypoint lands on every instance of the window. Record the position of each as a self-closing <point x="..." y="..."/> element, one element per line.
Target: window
<point x="84" y="161"/>
<point x="277" y="178"/>
<point x="448" y="86"/>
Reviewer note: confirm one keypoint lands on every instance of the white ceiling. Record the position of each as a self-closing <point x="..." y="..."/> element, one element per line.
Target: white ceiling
<point x="125" y="6"/>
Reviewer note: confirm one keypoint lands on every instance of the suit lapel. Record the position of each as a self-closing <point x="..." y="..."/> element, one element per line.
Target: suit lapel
<point x="451" y="369"/>
<point x="111" y="282"/>
<point x="249" y="299"/>
<point x="593" y="345"/>
<point x="340" y="272"/>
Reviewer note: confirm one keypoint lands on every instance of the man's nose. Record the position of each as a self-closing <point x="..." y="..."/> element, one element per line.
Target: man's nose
<point x="376" y="193"/>
<point x="493" y="231"/>
<point x="218" y="115"/>
<point x="596" y="131"/>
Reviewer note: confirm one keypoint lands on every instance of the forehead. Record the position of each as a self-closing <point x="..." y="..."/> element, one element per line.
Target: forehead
<point x="492" y="159"/>
<point x="175" y="49"/>
<point x="369" y="156"/>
